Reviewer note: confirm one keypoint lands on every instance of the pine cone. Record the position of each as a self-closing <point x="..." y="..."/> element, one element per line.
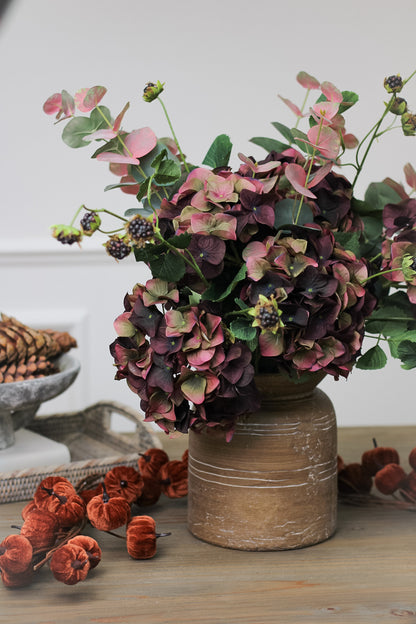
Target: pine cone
<point x="33" y="368"/>
<point x="29" y="350"/>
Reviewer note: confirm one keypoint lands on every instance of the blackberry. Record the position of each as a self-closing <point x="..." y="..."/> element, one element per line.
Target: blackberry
<point x="117" y="248"/>
<point x="90" y="222"/>
<point x="393" y="84"/>
<point x="69" y="239"/>
<point x="267" y="317"/>
<point x="139" y="230"/>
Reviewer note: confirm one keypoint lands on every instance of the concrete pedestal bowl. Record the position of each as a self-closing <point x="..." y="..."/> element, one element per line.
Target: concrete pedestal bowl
<point x="20" y="400"/>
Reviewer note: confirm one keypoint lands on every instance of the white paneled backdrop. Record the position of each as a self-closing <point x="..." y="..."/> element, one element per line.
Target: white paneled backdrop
<point x="224" y="62"/>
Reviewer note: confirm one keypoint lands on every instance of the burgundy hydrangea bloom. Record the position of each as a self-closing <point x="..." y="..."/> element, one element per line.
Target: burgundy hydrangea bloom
<point x="397" y="217"/>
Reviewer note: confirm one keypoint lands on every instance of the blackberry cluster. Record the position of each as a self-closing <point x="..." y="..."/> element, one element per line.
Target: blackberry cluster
<point x="117" y="248"/>
<point x="267" y="318"/>
<point x="393" y="84"/>
<point x="68" y="239"/>
<point x="139" y="230"/>
<point x="89" y="222"/>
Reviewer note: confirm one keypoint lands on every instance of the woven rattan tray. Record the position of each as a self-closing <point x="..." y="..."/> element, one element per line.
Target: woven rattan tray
<point x="93" y="446"/>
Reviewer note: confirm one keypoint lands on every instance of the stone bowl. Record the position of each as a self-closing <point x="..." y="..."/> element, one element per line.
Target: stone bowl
<point x="20" y="400"/>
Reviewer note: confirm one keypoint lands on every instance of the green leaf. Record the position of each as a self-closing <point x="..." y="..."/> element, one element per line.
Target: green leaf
<point x="144" y="186"/>
<point x="298" y="134"/>
<point x="349" y="99"/>
<point x="215" y="291"/>
<point x="97" y="118"/>
<point x="148" y="252"/>
<point x="113" y="145"/>
<point x="167" y="173"/>
<point x="75" y="131"/>
<point x="270" y="145"/>
<point x="159" y="158"/>
<point x="397" y="338"/>
<point x="219" y="152"/>
<point x="284" y="131"/>
<point x="168" y="266"/>
<point x="285" y="212"/>
<point x="407" y="354"/>
<point x="243" y="330"/>
<point x="350" y="241"/>
<point x="372" y="359"/>
<point x="181" y="241"/>
<point x="379" y="194"/>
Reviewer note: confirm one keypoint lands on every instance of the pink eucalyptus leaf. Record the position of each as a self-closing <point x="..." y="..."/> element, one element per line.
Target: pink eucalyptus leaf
<point x="93" y="98"/>
<point x="119" y="118"/>
<point x="53" y="104"/>
<point x="307" y="81"/>
<point x="79" y="100"/>
<point x="119" y="170"/>
<point x="105" y="134"/>
<point x="68" y="104"/>
<point x="325" y="140"/>
<point x="410" y="175"/>
<point x="350" y="140"/>
<point x="295" y="109"/>
<point x="320" y="174"/>
<point x="113" y="157"/>
<point x="141" y="142"/>
<point x="297" y="178"/>
<point x="331" y="92"/>
<point x="325" y="111"/>
<point x="258" y="168"/>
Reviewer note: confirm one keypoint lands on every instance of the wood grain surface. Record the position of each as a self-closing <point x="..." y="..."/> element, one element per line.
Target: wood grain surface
<point x="366" y="573"/>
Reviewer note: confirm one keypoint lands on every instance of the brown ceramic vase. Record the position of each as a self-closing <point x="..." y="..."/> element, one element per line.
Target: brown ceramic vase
<point x="274" y="486"/>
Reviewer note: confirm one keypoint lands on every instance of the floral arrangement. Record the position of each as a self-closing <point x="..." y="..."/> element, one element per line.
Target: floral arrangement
<point x="274" y="268"/>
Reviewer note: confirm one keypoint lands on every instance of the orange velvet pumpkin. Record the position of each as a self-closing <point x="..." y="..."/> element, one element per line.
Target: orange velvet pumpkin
<point x="124" y="481"/>
<point x="151" y="462"/>
<point x="40" y="527"/>
<point x="412" y="458"/>
<point x="90" y="546"/>
<point x="380" y="456"/>
<point x="151" y="492"/>
<point x="106" y="514"/>
<point x="389" y="478"/>
<point x="353" y="478"/>
<point x="141" y="537"/>
<point x="70" y="564"/>
<point x="16" y="554"/>
<point x="46" y="487"/>
<point x="173" y="477"/>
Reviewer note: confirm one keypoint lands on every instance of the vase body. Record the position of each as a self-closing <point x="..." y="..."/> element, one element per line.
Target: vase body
<point x="274" y="485"/>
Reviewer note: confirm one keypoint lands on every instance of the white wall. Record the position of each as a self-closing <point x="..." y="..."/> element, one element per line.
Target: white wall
<point x="224" y="62"/>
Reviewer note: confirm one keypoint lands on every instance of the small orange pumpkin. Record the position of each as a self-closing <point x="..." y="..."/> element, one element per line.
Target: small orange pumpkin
<point x="70" y="564"/>
<point x="173" y="477"/>
<point x="389" y="478"/>
<point x="151" y="462"/>
<point x="106" y="514"/>
<point x="16" y="554"/>
<point x="40" y="528"/>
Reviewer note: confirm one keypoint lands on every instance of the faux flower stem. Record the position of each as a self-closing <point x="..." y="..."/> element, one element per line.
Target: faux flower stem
<point x="302" y="107"/>
<point x="375" y="133"/>
<point x="174" y="135"/>
<point x="379" y="274"/>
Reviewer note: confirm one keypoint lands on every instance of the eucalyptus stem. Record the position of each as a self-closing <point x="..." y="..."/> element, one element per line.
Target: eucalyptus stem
<point x="174" y="135"/>
<point x="302" y="107"/>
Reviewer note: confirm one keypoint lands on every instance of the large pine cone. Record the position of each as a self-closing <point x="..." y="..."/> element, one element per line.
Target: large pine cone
<point x="26" y="353"/>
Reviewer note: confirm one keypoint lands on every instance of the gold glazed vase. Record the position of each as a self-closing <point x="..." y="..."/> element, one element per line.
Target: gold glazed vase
<point x="274" y="486"/>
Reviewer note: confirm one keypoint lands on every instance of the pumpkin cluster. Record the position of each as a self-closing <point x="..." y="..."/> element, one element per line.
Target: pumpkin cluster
<point x="379" y="467"/>
<point x="54" y="519"/>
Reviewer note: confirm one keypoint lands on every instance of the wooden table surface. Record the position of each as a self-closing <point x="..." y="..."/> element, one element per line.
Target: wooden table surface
<point x="365" y="573"/>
